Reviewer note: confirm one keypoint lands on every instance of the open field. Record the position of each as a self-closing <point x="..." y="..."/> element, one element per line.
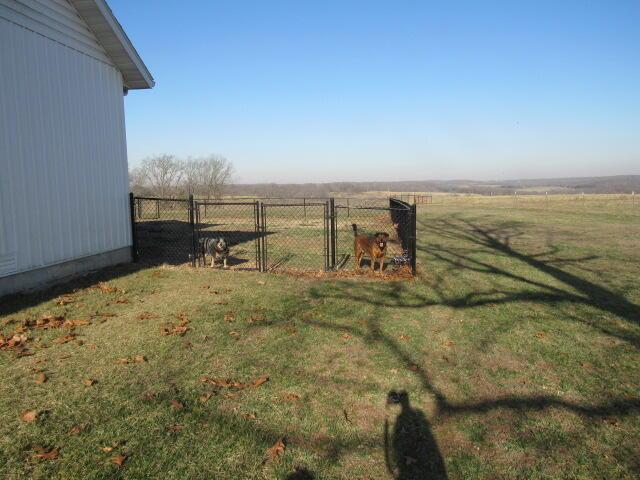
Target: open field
<point x="517" y="346"/>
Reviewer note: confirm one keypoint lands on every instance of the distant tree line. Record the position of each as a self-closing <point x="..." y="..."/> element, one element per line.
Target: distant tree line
<point x="168" y="176"/>
<point x="613" y="184"/>
<point x="211" y="176"/>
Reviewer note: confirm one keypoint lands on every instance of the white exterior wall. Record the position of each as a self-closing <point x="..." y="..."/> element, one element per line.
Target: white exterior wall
<point x="63" y="163"/>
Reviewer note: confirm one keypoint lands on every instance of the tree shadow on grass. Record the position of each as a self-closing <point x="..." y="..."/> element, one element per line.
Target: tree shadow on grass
<point x="498" y="241"/>
<point x="481" y="251"/>
<point x="428" y="459"/>
<point x="471" y="242"/>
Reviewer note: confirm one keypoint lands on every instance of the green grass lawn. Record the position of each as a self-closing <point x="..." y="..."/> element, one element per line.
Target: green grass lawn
<point x="513" y="354"/>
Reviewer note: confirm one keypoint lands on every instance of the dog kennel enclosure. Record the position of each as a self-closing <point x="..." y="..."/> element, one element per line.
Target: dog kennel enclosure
<point x="271" y="234"/>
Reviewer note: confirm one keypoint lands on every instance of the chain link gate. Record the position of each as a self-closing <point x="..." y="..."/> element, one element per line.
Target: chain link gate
<point x="295" y="236"/>
<point x="162" y="230"/>
<point x="237" y="222"/>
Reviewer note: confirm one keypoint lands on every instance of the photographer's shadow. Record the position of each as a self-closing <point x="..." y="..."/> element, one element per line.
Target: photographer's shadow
<point x="411" y="451"/>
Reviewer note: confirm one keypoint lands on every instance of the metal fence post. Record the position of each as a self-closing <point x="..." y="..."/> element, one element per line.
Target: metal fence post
<point x="304" y="206"/>
<point x="332" y="212"/>
<point x="263" y="238"/>
<point x="134" y="240"/>
<point x="326" y="236"/>
<point x="414" y="235"/>
<point x="256" y="219"/>
<point x="193" y="231"/>
<point x="158" y="209"/>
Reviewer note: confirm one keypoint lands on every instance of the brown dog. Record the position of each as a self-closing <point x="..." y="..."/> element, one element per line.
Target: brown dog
<point x="374" y="246"/>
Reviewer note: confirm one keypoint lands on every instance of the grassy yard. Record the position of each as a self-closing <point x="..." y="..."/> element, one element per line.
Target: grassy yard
<point x="514" y="354"/>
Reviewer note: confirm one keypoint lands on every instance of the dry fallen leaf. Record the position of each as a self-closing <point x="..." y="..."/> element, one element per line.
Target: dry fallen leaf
<point x="540" y="334"/>
<point x="225" y="383"/>
<point x="119" y="459"/>
<point x="105" y="288"/>
<point x="123" y="361"/>
<point x="104" y="314"/>
<point x="89" y="382"/>
<point x="611" y="421"/>
<point x="139" y="359"/>
<point x="46" y="455"/>
<point x="65" y="300"/>
<point x="76" y="430"/>
<point x="260" y="380"/>
<point x="145" y="316"/>
<point x="250" y="416"/>
<point x="404" y="337"/>
<point x="204" y="398"/>
<point x="176" y="404"/>
<point x="75" y="323"/>
<point x="346" y="336"/>
<point x="148" y="396"/>
<point x="229" y="317"/>
<point x="448" y="343"/>
<point x="275" y="451"/>
<point x="234" y="334"/>
<point x="176" y="428"/>
<point x="413" y="367"/>
<point x="107" y="449"/>
<point x="41" y="378"/>
<point x="261" y="282"/>
<point x="291" y="397"/>
<point x="65" y="339"/>
<point x="29" y="416"/>
<point x="171" y="329"/>
<point x="346" y="415"/>
<point x="49" y="321"/>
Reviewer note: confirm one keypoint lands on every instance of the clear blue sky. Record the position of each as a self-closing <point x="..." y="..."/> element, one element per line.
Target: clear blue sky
<point x="350" y="90"/>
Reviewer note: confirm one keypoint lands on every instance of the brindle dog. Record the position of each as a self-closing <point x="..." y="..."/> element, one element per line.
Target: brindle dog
<point x="374" y="246"/>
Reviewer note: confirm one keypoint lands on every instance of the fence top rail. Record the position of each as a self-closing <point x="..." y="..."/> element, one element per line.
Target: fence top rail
<point x="163" y="199"/>
<point x="250" y="197"/>
<point x="266" y="204"/>
<point x="385" y="209"/>
<point x="198" y="202"/>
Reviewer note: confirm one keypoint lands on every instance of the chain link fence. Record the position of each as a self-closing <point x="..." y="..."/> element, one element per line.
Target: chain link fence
<point x="163" y="230"/>
<point x="273" y="234"/>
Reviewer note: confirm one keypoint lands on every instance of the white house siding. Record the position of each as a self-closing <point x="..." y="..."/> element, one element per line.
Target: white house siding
<point x="63" y="165"/>
<point x="54" y="19"/>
